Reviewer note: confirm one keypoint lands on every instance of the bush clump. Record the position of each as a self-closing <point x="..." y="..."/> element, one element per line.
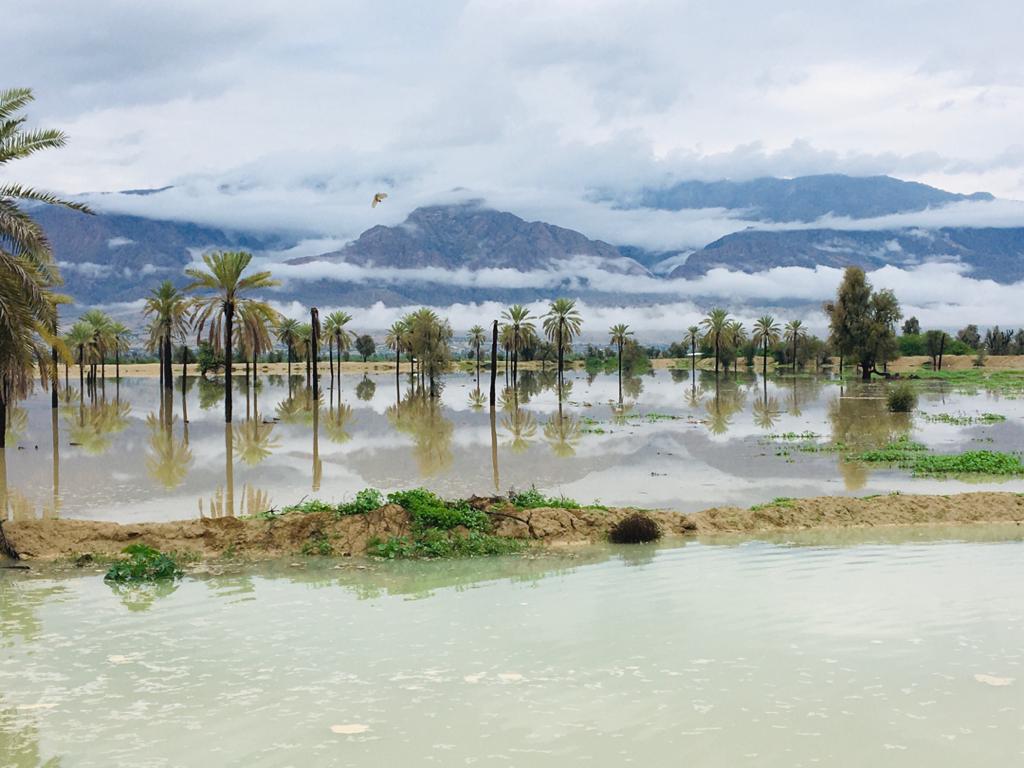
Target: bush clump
<point x="427" y="510"/>
<point x="901" y="398"/>
<point x="367" y="500"/>
<point x="534" y="499"/>
<point x="144" y="564"/>
<point x="638" y="528"/>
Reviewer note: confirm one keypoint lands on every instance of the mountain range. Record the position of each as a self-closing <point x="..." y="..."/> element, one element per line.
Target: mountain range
<point x="113" y="257"/>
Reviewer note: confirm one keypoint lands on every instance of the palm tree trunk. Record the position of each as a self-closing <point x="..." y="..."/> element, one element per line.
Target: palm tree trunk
<point x="478" y="365"/>
<point x="168" y="359"/>
<point x="81" y="370"/>
<point x="54" y="378"/>
<point x="314" y="344"/>
<point x="716" y="354"/>
<point x="561" y="359"/>
<point x="764" y="361"/>
<point x="117" y="363"/>
<point x="794" y="354"/>
<point x="229" y="322"/>
<point x="494" y="359"/>
<point x="620" y="373"/>
<point x="398" y="365"/>
<point x="3" y="444"/>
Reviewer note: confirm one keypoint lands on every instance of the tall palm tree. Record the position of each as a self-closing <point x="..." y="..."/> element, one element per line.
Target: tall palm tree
<point x="562" y="323"/>
<point x="223" y="285"/>
<point x="28" y="274"/>
<point x="795" y="332"/>
<point x="619" y="335"/>
<point x="338" y="337"/>
<point x="288" y="334"/>
<point x="121" y="335"/>
<point x="715" y="325"/>
<point x="103" y="338"/>
<point x="693" y="336"/>
<point x="79" y="339"/>
<point x="766" y="334"/>
<point x="477" y="338"/>
<point x="395" y="340"/>
<point x="737" y="338"/>
<point x="304" y="337"/>
<point x="517" y="317"/>
<point x="170" y="310"/>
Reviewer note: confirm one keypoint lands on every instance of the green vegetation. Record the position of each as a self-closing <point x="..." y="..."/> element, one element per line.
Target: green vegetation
<point x="442" y="529"/>
<point x="318" y="545"/>
<point x="901" y="398"/>
<point x="962" y="419"/>
<point x="914" y="456"/>
<point x="534" y="499"/>
<point x="862" y="322"/>
<point x="975" y="379"/>
<point x="778" y="501"/>
<point x="366" y="500"/>
<point x="144" y="564"/>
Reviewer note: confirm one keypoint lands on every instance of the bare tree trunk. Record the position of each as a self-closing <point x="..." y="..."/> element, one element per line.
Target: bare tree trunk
<point x="314" y="341"/>
<point x="167" y="360"/>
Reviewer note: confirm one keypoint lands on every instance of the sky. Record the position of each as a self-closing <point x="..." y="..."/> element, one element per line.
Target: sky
<point x="297" y="113"/>
<point x="292" y="115"/>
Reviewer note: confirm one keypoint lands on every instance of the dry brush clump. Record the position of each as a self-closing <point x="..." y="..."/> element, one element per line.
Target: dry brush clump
<point x="637" y="528"/>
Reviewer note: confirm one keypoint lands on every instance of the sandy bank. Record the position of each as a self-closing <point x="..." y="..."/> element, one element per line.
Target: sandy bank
<point x="286" y="535"/>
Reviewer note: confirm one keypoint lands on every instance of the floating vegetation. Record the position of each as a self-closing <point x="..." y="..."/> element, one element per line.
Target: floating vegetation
<point x="963" y="419"/>
<point x="794" y="436"/>
<point x="144" y="564"/>
<point x="914" y="456"/>
<point x="974" y="379"/>
<point x="637" y="528"/>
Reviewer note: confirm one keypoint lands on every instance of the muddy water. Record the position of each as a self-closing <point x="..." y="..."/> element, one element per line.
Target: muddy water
<point x="678" y="443"/>
<point x="894" y="651"/>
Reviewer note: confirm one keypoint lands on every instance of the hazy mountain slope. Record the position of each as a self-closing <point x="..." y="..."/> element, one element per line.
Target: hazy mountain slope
<point x="805" y="198"/>
<point x="997" y="254"/>
<point x="474" y="237"/>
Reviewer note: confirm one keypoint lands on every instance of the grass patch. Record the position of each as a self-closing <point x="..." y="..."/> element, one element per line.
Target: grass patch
<point x="914" y="456"/>
<point x="534" y="499"/>
<point x="144" y="564"/>
<point x="785" y="502"/>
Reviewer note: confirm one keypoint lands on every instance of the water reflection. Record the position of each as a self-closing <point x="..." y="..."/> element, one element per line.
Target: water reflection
<point x="681" y="439"/>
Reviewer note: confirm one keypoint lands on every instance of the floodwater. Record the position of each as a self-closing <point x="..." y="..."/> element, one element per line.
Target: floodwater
<point x="841" y="649"/>
<point x="678" y="443"/>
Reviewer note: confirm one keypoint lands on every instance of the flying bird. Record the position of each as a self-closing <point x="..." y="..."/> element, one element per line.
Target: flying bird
<point x="380" y="197"/>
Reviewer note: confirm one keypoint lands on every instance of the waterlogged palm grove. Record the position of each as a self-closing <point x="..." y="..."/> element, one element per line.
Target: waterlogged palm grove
<point x="312" y="469"/>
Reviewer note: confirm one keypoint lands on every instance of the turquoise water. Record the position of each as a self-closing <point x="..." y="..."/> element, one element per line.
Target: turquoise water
<point x="894" y="649"/>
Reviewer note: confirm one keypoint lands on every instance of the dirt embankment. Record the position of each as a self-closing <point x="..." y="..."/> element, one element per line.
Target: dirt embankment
<point x="286" y="535"/>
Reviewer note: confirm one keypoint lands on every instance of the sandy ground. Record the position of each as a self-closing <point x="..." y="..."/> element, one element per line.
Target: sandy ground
<point x="958" y="363"/>
<point x="285" y="536"/>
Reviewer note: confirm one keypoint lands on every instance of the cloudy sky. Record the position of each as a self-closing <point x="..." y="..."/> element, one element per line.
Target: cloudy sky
<point x="296" y="112"/>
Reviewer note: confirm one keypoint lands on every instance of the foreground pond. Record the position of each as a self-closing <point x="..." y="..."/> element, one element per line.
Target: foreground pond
<point x="679" y="443"/>
<point x="881" y="649"/>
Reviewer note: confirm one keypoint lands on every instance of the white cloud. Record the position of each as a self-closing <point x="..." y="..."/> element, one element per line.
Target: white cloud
<point x="117" y="242"/>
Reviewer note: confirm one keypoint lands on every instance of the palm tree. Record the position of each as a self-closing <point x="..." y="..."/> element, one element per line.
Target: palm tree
<point x="80" y="339"/>
<point x="103" y="338"/>
<point x="28" y="274"/>
<point x="795" y="332"/>
<point x="304" y="336"/>
<point x="562" y="324"/>
<point x="288" y="334"/>
<point x="619" y="335"/>
<point x="338" y="337"/>
<point x="517" y="317"/>
<point x="766" y="333"/>
<point x="715" y="325"/>
<point x="395" y="340"/>
<point x="693" y="336"/>
<point x="225" y="286"/>
<point x="169" y="309"/>
<point x="737" y="338"/>
<point x="477" y="338"/>
<point x="120" y="334"/>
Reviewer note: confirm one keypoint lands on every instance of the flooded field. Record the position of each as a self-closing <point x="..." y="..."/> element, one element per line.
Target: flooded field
<point x="853" y="649"/>
<point x="678" y="442"/>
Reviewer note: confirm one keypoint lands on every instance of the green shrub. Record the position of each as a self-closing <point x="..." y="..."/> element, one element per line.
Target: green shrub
<point x="435" y="543"/>
<point x="318" y="544"/>
<point x="367" y="500"/>
<point x="534" y="499"/>
<point x="144" y="564"/>
<point x="427" y="510"/>
<point x="901" y="398"/>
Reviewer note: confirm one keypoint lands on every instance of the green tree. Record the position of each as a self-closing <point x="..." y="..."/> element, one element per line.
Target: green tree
<point x="862" y="322"/>
<point x="288" y="334"/>
<point x="911" y="327"/>
<point x="365" y="346"/>
<point x="222" y="285"/>
<point x="766" y="335"/>
<point x="618" y="335"/>
<point x="395" y="340"/>
<point x="517" y="317"/>
<point x="935" y="347"/>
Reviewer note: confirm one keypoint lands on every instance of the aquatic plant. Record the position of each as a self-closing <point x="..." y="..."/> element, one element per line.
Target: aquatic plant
<point x="963" y="420"/>
<point x="914" y="456"/>
<point x="637" y="528"/>
<point x="901" y="398"/>
<point x="144" y="564"/>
